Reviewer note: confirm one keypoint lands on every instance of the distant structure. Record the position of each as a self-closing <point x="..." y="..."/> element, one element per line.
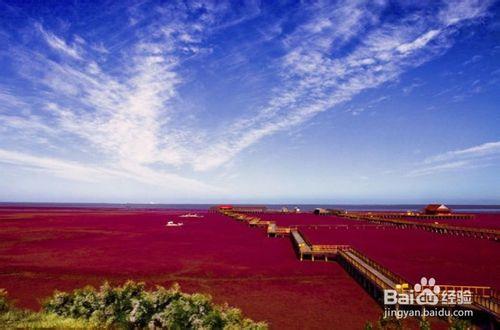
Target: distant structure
<point x="434" y="209"/>
<point x="190" y="215"/>
<point x="284" y="209"/>
<point x="296" y="209"/>
<point x="174" y="224"/>
<point x="250" y="209"/>
<point x="322" y="211"/>
<point x="240" y="208"/>
<point x="222" y="207"/>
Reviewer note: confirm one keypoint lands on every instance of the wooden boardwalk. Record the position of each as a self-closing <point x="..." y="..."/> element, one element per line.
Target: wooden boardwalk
<point x="348" y="259"/>
<point x="374" y="277"/>
<point x="439" y="228"/>
<point x="451" y="216"/>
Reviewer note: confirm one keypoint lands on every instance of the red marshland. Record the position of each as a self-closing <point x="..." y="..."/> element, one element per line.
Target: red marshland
<point x="43" y="249"/>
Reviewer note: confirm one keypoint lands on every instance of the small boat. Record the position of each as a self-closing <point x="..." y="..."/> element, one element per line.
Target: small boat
<point x="174" y="224"/>
<point x="190" y="215"/>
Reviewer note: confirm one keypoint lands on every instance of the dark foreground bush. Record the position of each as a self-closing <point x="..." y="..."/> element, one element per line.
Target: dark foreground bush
<point x="4" y="304"/>
<point x="130" y="306"/>
<point x="395" y="324"/>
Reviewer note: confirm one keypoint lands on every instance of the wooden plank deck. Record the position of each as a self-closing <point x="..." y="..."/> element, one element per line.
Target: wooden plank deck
<point x="376" y="275"/>
<point x="381" y="280"/>
<point x="481" y="233"/>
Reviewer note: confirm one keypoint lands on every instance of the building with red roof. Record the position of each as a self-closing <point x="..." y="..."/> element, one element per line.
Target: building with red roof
<point x="437" y="209"/>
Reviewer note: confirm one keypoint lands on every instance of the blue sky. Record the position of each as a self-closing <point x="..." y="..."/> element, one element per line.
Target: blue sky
<point x="273" y="101"/>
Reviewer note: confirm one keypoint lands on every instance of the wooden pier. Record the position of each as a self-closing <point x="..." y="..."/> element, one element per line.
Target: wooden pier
<point x="422" y="216"/>
<point x="276" y="231"/>
<point x="439" y="228"/>
<point x="374" y="277"/>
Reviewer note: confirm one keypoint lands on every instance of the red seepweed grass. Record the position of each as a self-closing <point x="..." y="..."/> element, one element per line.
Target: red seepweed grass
<point x="43" y="249"/>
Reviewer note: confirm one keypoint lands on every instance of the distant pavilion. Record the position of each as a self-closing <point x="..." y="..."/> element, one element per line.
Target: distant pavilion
<point x="435" y="209"/>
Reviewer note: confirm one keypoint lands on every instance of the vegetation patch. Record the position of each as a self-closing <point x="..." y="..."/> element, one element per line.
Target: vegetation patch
<point x="127" y="306"/>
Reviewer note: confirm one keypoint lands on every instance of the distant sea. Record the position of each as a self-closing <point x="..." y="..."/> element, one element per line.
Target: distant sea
<point x="303" y="207"/>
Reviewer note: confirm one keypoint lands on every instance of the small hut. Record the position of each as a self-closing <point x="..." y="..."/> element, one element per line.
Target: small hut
<point x="221" y="208"/>
<point x="433" y="209"/>
<point x="320" y="211"/>
<point x="337" y="211"/>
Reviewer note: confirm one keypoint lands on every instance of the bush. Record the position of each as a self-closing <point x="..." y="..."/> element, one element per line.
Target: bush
<point x="390" y="323"/>
<point x="424" y="325"/>
<point x="4" y="304"/>
<point x="128" y="306"/>
<point x="30" y="320"/>
<point x="459" y="324"/>
<point x="131" y="306"/>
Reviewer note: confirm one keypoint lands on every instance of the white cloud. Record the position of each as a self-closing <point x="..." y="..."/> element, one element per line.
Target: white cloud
<point x="418" y="43"/>
<point x="479" y="151"/>
<point x="468" y="158"/>
<point x="78" y="171"/>
<point x="124" y="116"/>
<point x="60" y="168"/>
<point x="316" y="78"/>
<point x="25" y="124"/>
<point x="58" y="43"/>
<point x="118" y="118"/>
<point x="461" y="10"/>
<point x="10" y="101"/>
<point x="428" y="170"/>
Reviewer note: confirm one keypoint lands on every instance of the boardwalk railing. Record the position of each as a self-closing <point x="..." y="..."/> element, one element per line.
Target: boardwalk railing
<point x="483" y="298"/>
<point x="326" y="251"/>
<point x="399" y="215"/>
<point x="395" y="278"/>
<point x="440" y="228"/>
<point x="490" y="304"/>
<point x="300" y="243"/>
<point x="368" y="273"/>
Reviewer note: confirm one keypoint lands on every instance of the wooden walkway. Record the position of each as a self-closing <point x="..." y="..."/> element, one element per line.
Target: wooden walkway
<point x="374" y="277"/>
<point x="451" y="216"/>
<point x="439" y="228"/>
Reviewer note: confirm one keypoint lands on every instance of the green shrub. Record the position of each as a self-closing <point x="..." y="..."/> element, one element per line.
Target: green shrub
<point x="424" y="325"/>
<point x="4" y="304"/>
<point x="60" y="303"/>
<point x="125" y="307"/>
<point x="459" y="324"/>
<point x="161" y="297"/>
<point x="390" y="323"/>
<point x="131" y="306"/>
<point x="30" y="320"/>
